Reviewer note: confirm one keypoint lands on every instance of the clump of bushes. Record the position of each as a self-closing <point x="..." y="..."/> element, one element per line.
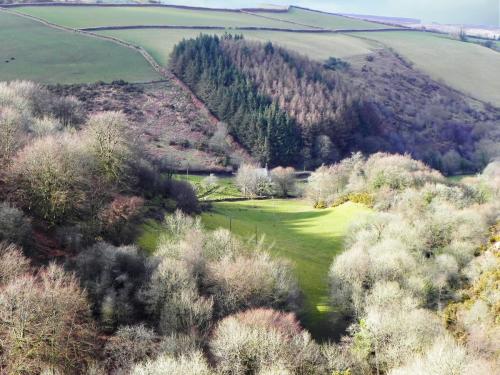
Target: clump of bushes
<point x="254" y="182"/>
<point x="28" y="110"/>
<point x="52" y="175"/>
<point x="255" y="341"/>
<point x="402" y="267"/>
<point x="363" y="198"/>
<point x="377" y="180"/>
<point x="46" y="319"/>
<point x="194" y="279"/>
<point x="113" y="277"/>
<point x="187" y="364"/>
<point x="14" y="225"/>
<point x="244" y="281"/>
<point x="219" y="267"/>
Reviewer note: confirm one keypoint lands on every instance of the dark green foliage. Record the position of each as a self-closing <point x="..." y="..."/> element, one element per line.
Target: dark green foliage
<point x="275" y="102"/>
<point x="333" y="63"/>
<point x="254" y="119"/>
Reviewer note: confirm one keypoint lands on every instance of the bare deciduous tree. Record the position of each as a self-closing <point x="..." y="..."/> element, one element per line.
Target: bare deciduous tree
<point x="45" y="324"/>
<point x="283" y="180"/>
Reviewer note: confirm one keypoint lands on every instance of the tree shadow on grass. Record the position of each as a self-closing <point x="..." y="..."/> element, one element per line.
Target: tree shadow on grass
<point x="309" y="240"/>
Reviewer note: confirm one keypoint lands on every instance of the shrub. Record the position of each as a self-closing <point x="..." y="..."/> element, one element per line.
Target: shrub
<point x="394" y="328"/>
<point x="363" y="198"/>
<point x="364" y="179"/>
<point x="45" y="126"/>
<point x="48" y="326"/>
<point x="397" y="172"/>
<point x="187" y="364"/>
<point x="68" y="110"/>
<point x="12" y="263"/>
<point x="283" y="180"/>
<point x="178" y="225"/>
<point x="184" y="195"/>
<point x="249" y="281"/>
<point x="109" y="140"/>
<point x="256" y="340"/>
<point x="219" y="141"/>
<point x="118" y="218"/>
<point x="253" y="181"/>
<point x="172" y="301"/>
<point x="14" y="226"/>
<point x="334" y="63"/>
<point x="328" y="183"/>
<point x="445" y="357"/>
<point x="11" y="134"/>
<point x="130" y="345"/>
<point x="113" y="277"/>
<point x="186" y="312"/>
<point x="51" y="174"/>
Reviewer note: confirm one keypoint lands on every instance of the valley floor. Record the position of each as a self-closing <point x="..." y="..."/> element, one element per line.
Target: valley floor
<point x="309" y="238"/>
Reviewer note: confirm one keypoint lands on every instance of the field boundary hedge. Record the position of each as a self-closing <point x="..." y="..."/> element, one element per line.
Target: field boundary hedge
<point x="243" y="28"/>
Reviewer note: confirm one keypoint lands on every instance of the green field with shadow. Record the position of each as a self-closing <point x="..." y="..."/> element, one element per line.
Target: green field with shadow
<point x="309" y="238"/>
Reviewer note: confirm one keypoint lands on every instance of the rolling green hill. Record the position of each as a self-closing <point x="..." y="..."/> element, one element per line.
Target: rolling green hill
<point x="467" y="67"/>
<point x="81" y="17"/>
<point x="32" y="51"/>
<point x="323" y="20"/>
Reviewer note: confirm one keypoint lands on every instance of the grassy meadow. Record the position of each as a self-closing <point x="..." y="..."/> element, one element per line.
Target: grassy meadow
<point x="467" y="67"/>
<point x="323" y="20"/>
<point x="81" y="17"/>
<point x="160" y="42"/>
<point x="224" y="189"/>
<point x="32" y="51"/>
<point x="309" y="238"/>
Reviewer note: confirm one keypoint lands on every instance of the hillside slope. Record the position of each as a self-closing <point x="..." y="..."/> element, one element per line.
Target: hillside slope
<point x="287" y="109"/>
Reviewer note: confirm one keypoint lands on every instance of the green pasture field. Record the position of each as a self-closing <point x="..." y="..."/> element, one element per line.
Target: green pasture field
<point x="160" y="42"/>
<point x="81" y="17"/>
<point x="467" y="67"/>
<point x="225" y="188"/>
<point x="309" y="238"/>
<point x="40" y="53"/>
<point x="323" y="20"/>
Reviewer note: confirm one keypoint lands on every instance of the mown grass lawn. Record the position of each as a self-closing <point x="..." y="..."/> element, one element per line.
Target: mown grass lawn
<point x="32" y="51"/>
<point x="309" y="238"/>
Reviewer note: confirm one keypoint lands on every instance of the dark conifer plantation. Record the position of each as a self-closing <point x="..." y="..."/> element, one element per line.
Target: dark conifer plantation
<point x="287" y="109"/>
<point x="254" y="119"/>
